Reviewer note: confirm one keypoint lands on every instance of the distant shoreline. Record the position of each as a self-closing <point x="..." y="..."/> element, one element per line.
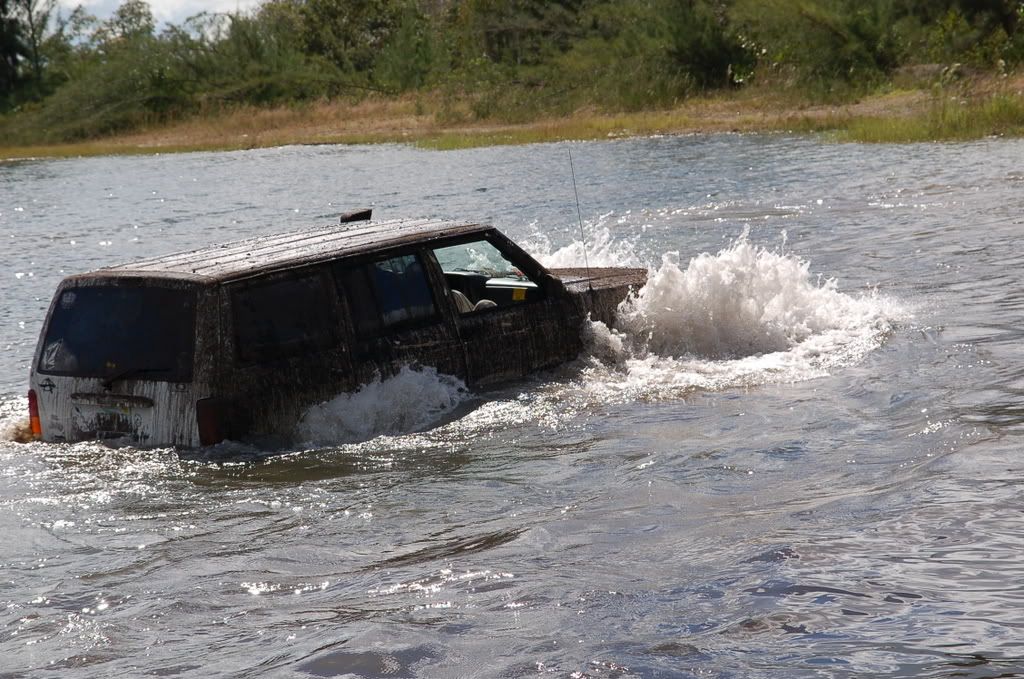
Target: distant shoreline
<point x="974" y="109"/>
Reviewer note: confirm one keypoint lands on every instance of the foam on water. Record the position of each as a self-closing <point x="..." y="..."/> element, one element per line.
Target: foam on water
<point x="409" y="401"/>
<point x="602" y="248"/>
<point x="746" y="315"/>
<point x="14" y="424"/>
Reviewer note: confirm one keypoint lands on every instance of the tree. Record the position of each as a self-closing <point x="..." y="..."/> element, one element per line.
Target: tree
<point x="521" y="32"/>
<point x="131" y="21"/>
<point x="702" y="43"/>
<point x="71" y="47"/>
<point x="35" y="18"/>
<point x="349" y="33"/>
<point x="835" y="46"/>
<point x="12" y="48"/>
<point x="411" y="54"/>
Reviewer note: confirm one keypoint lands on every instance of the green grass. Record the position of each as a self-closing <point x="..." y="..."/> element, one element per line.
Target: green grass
<point x="579" y="126"/>
<point x="949" y="119"/>
<point x="469" y="138"/>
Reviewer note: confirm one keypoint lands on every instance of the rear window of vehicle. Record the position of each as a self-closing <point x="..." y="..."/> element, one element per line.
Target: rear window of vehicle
<point x="121" y="331"/>
<point x="284" y="317"/>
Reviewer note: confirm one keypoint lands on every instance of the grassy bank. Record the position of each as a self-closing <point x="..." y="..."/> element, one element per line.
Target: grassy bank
<point x="971" y="110"/>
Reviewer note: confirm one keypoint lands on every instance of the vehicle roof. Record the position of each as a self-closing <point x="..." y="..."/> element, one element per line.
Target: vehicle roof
<point x="244" y="258"/>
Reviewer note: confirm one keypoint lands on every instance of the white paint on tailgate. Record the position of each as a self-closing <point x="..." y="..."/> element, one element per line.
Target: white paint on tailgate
<point x="140" y="412"/>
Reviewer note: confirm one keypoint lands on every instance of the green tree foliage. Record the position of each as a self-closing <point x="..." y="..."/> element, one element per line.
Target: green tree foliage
<point x="222" y="59"/>
<point x="843" y="44"/>
<point x="412" y="54"/>
<point x="125" y="78"/>
<point x="828" y="42"/>
<point x="519" y="32"/>
<point x="69" y="49"/>
<point x="980" y="33"/>
<point x="34" y="16"/>
<point x="72" y="76"/>
<point x="638" y="54"/>
<point x="12" y="49"/>
<point x="349" y="33"/>
<point x="702" y="44"/>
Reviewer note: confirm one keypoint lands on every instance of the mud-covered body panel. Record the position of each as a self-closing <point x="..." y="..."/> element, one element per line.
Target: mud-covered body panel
<point x="601" y="289"/>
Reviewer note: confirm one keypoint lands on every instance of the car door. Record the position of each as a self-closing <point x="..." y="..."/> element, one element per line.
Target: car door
<point x="510" y="317"/>
<point x="286" y="349"/>
<point x="399" y="316"/>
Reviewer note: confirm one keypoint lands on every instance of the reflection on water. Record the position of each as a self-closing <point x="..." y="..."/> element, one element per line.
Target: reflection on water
<point x="827" y="487"/>
<point x="397" y="663"/>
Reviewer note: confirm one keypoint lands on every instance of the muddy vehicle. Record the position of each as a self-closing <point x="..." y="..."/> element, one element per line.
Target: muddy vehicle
<point x="237" y="341"/>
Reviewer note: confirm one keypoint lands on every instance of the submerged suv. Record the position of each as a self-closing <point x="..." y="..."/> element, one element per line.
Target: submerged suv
<point x="237" y="341"/>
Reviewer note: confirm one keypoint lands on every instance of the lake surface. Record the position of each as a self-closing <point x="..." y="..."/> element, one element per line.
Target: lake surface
<point x="799" y="455"/>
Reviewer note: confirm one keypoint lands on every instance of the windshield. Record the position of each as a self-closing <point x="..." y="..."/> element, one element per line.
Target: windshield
<point x="120" y="331"/>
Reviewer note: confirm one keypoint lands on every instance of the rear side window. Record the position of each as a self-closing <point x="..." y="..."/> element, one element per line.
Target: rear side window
<point x="121" y="331"/>
<point x="387" y="293"/>
<point x="284" y="317"/>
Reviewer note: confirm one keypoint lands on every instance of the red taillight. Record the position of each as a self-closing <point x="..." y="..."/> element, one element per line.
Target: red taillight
<point x="209" y="417"/>
<point x="33" y="415"/>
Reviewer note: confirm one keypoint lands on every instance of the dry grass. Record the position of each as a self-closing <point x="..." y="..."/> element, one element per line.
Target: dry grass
<point x="429" y="121"/>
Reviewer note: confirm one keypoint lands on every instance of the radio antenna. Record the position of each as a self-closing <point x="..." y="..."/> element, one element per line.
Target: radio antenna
<point x="579" y="215"/>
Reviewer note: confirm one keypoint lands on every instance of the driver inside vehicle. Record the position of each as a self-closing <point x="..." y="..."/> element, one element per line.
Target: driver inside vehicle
<point x="481" y="277"/>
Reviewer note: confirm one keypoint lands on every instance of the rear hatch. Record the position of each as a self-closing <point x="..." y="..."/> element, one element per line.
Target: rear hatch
<point x="116" y="361"/>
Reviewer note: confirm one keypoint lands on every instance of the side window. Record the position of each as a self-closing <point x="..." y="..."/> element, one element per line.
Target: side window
<point x="482" y="277"/>
<point x="362" y="303"/>
<point x="283" y="317"/>
<point x="387" y="293"/>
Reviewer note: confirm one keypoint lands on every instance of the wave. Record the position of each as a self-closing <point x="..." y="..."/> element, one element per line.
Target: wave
<point x="410" y="401"/>
<point x="746" y="315"/>
<point x="602" y="248"/>
<point x="14" y="424"/>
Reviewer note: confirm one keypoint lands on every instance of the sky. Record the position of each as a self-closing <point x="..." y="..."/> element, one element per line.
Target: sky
<point x="164" y="11"/>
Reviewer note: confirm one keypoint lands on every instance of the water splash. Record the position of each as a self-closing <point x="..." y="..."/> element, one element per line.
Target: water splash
<point x="744" y="316"/>
<point x="744" y="301"/>
<point x="14" y="425"/>
<point x="603" y="248"/>
<point x="410" y="401"/>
